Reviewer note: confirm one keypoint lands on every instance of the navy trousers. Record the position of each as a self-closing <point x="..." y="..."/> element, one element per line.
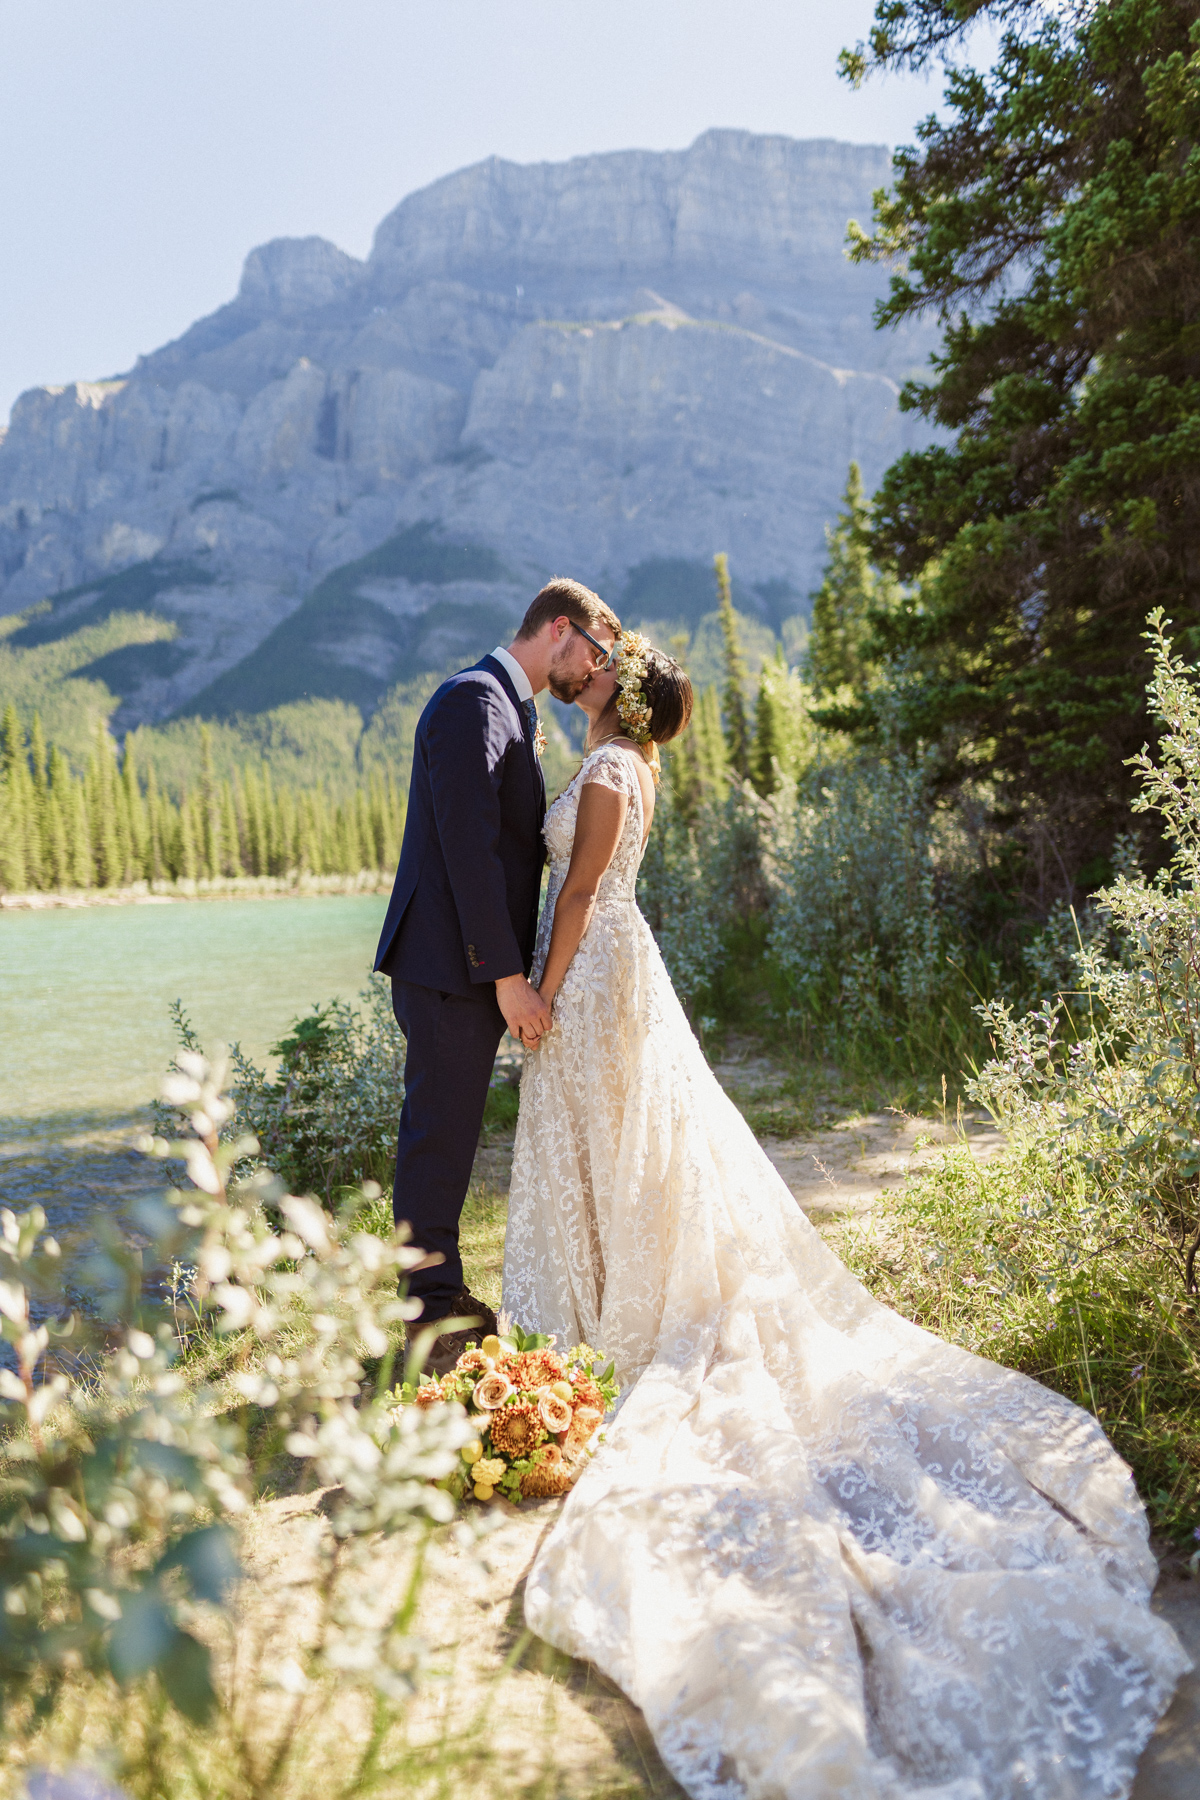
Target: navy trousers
<point x="452" y="1044"/>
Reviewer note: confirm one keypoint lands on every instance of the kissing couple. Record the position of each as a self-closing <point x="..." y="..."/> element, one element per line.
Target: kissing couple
<point x="830" y="1556"/>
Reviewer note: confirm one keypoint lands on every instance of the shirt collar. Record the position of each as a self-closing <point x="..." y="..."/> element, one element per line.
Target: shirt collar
<point x="515" y="673"/>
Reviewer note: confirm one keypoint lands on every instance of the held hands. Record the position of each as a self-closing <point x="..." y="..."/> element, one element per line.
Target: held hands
<point x="526" y="1014"/>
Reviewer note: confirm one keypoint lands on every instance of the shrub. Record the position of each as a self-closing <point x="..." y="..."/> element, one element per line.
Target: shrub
<point x="1109" y="1073"/>
<point x="329" y="1118"/>
<point x="1014" y="1260"/>
<point x="863" y="925"/>
<point x="118" y="1485"/>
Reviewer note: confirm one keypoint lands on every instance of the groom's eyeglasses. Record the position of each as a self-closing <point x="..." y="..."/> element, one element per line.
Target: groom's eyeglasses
<point x="605" y="657"/>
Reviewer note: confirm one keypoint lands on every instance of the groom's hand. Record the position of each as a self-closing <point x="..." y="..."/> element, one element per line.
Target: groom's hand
<point x="525" y="1012"/>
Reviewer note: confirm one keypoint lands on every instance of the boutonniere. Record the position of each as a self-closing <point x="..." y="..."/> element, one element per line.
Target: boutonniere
<point x="539" y="739"/>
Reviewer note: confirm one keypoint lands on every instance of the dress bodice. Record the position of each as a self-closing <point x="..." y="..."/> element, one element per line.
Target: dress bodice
<point x="613" y="768"/>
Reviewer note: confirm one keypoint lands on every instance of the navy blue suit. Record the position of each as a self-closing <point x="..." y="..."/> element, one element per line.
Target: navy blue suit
<point x="463" y="914"/>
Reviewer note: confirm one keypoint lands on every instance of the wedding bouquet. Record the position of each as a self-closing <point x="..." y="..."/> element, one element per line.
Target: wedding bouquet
<point x="535" y="1410"/>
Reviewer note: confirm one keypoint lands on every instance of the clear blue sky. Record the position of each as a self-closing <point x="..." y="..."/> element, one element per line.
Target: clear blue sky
<point x="147" y="145"/>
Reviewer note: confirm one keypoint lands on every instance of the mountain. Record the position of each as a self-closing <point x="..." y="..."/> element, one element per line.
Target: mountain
<point x="355" y="472"/>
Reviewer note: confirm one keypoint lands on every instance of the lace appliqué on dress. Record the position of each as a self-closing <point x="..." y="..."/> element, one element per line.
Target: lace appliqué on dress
<point x="830" y="1556"/>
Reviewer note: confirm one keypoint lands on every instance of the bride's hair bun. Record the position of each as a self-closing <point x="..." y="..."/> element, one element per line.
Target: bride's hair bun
<point x="668" y="694"/>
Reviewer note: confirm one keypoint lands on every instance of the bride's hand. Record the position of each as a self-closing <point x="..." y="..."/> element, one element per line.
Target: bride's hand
<point x="547" y="1001"/>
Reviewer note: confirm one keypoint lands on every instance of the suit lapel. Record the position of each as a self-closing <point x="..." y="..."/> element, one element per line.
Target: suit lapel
<point x="505" y="679"/>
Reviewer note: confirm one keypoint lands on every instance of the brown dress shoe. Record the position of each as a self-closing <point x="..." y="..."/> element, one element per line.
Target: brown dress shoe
<point x="448" y="1346"/>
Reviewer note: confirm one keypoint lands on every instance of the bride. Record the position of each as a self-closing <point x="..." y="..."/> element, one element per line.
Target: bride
<point x="826" y="1553"/>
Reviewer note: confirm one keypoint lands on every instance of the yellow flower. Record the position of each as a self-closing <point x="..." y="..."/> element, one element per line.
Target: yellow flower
<point x="487" y="1471"/>
<point x="472" y="1452"/>
<point x="491" y="1345"/>
<point x="482" y="1491"/>
<point x="563" y="1389"/>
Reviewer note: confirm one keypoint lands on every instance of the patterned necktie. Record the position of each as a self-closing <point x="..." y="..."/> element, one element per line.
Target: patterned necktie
<point x="531" y="719"/>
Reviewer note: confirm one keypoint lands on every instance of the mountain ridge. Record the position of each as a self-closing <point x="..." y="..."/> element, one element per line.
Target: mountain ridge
<point x="598" y="366"/>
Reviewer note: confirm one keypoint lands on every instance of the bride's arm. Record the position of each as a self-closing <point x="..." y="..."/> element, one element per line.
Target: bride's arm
<point x="598" y="828"/>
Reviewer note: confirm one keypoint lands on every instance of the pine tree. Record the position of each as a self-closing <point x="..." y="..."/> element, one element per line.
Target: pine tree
<point x="733" y="695"/>
<point x="287" y="839"/>
<point x="1049" y="218"/>
<point x="362" y="822"/>
<point x="250" y="795"/>
<point x="188" y="859"/>
<point x="709" y="749"/>
<point x="38" y="756"/>
<point x="133" y="808"/>
<point x="231" y="863"/>
<point x="768" y="753"/>
<point x="56" y="859"/>
<point x="14" y="822"/>
<point x="79" y="837"/>
<point x="839" y="644"/>
<point x="12" y="741"/>
<point x="100" y="784"/>
<point x="153" y="862"/>
<point x="208" y="845"/>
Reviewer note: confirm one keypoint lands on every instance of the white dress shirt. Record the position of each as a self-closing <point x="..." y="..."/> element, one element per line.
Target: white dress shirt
<point x="515" y="672"/>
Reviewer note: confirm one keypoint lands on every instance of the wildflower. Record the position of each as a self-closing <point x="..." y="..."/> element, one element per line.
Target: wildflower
<point x="492" y="1391"/>
<point x="517" y="1429"/>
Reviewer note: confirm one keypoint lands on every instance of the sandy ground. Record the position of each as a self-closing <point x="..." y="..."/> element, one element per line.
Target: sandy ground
<point x="546" y="1723"/>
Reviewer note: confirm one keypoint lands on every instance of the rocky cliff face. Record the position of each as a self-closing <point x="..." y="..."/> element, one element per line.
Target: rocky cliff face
<point x="607" y="367"/>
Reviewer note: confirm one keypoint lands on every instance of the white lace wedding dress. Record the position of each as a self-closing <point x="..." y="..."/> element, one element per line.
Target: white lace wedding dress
<point x="826" y="1553"/>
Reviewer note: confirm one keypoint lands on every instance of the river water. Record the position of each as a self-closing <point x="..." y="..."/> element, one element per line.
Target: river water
<point x="85" y="1032"/>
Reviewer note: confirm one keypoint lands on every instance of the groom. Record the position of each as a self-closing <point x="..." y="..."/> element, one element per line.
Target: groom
<point x="459" y="933"/>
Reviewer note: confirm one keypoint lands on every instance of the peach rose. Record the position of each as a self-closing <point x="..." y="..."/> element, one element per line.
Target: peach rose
<point x="492" y="1390"/>
<point x="586" y="1419"/>
<point x="554" y="1412"/>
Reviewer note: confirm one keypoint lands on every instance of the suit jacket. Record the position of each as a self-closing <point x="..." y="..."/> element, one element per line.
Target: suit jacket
<point x="464" y="905"/>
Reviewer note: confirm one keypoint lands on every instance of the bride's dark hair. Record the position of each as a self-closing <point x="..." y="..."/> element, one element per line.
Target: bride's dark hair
<point x="667" y="692"/>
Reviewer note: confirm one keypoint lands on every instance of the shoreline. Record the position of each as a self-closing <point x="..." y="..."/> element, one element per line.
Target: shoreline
<point x="168" y="893"/>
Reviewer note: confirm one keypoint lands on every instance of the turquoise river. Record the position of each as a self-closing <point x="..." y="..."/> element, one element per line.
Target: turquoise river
<point x="85" y="1032"/>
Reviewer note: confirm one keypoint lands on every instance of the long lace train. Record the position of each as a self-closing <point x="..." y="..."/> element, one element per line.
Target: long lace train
<point x="826" y="1553"/>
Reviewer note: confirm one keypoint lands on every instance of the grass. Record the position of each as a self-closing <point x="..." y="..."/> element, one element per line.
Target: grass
<point x="1016" y="1261"/>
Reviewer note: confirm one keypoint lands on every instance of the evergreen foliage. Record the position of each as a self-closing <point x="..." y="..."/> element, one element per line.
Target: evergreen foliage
<point x="839" y="645"/>
<point x="733" y="698"/>
<point x="1051" y="219"/>
<point x="111" y="825"/>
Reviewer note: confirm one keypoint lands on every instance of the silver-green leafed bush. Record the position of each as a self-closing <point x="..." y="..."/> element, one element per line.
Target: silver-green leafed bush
<point x="1109" y="1071"/>
<point x="329" y="1118"/>
<point x="122" y="1478"/>
<point x="859" y="929"/>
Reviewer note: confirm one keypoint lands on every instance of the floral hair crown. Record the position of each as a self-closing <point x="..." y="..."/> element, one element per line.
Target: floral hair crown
<point x="633" y="708"/>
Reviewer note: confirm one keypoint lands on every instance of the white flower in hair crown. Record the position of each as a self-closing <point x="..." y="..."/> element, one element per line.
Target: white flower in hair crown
<point x="633" y="708"/>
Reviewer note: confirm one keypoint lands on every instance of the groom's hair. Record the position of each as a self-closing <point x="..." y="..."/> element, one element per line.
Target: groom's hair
<point x="564" y="598"/>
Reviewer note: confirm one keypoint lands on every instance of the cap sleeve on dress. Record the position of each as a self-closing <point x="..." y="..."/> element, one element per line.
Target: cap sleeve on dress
<point x="611" y="769"/>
